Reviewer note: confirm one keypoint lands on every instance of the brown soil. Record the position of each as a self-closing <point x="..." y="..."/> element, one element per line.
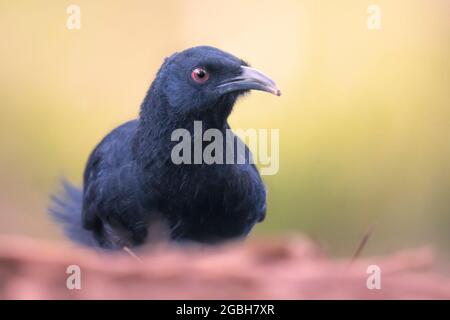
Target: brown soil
<point x="287" y="268"/>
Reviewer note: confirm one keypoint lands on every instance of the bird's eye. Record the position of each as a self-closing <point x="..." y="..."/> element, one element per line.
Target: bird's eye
<point x="200" y="75"/>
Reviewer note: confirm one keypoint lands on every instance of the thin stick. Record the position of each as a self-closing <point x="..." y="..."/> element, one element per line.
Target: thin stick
<point x="132" y="254"/>
<point x="361" y="246"/>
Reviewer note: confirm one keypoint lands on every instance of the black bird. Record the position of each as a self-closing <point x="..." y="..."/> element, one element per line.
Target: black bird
<point x="132" y="189"/>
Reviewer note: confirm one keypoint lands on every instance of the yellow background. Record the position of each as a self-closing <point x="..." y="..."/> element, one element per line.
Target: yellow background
<point x="364" y="116"/>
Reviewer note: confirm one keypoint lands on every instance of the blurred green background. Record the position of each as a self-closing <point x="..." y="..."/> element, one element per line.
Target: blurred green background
<point x="364" y="118"/>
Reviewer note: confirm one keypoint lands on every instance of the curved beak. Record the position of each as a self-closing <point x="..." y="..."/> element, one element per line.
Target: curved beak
<point x="249" y="79"/>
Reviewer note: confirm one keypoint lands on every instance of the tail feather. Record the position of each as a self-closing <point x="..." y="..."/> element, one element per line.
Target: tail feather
<point x="65" y="209"/>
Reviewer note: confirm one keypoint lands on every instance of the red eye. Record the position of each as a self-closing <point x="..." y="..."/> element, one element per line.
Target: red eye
<point x="200" y="75"/>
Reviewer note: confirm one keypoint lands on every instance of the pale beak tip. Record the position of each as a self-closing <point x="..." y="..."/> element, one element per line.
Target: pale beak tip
<point x="275" y="91"/>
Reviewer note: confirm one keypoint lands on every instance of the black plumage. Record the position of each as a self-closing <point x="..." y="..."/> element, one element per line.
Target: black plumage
<point x="132" y="190"/>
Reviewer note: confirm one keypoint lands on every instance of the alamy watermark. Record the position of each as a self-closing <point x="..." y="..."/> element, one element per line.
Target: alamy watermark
<point x="374" y="17"/>
<point x="226" y="148"/>
<point x="374" y="278"/>
<point x="73" y="21"/>
<point x="73" y="281"/>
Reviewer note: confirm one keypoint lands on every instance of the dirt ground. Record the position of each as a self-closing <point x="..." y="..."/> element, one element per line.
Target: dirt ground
<point x="281" y="268"/>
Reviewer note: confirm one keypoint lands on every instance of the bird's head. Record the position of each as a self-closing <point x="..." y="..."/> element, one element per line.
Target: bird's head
<point x="201" y="78"/>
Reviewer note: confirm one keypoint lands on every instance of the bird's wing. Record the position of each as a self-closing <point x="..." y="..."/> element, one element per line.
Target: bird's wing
<point x="111" y="206"/>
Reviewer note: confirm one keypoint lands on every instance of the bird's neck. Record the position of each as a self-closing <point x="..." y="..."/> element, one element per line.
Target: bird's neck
<point x="158" y="120"/>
